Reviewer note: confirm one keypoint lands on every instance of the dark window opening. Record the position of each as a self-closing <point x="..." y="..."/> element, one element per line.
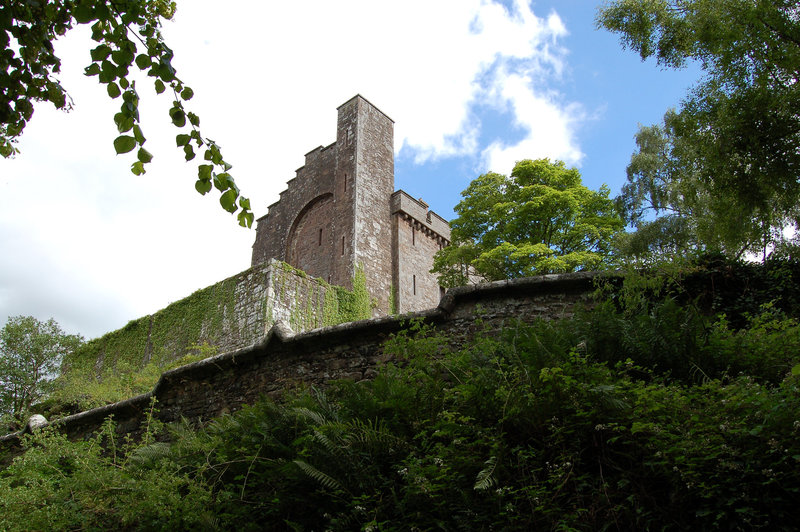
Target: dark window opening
<point x="320" y="237"/>
<point x="414" y="284"/>
<point x="413" y="236"/>
<point x="342" y="245"/>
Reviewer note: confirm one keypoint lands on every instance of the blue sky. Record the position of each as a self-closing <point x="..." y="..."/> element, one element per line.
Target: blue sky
<point x="615" y="88"/>
<point x="472" y="86"/>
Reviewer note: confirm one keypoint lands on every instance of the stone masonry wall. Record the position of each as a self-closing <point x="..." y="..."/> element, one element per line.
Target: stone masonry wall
<point x="374" y="185"/>
<point x="282" y="359"/>
<point x="276" y="232"/>
<point x="338" y="216"/>
<point x="229" y="315"/>
<point x="418" y="234"/>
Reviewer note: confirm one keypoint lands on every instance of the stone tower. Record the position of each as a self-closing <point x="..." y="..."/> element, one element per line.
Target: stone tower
<point x="334" y="215"/>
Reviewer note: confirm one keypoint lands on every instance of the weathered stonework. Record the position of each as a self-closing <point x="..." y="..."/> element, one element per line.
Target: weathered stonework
<point x="283" y="359"/>
<point x="229" y="315"/>
<point x="340" y="213"/>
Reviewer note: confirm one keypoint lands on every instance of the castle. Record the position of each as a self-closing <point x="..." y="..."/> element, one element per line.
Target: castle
<point x="341" y="213"/>
<point x="339" y="219"/>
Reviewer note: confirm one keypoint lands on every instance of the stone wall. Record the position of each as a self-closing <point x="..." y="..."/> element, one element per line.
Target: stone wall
<point x="283" y="359"/>
<point x="292" y="224"/>
<point x="229" y="315"/>
<point x="418" y="234"/>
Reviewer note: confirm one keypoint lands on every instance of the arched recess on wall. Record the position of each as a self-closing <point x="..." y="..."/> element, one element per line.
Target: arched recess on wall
<point x="311" y="236"/>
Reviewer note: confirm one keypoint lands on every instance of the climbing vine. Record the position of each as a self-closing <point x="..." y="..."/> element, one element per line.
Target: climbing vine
<point x="129" y="361"/>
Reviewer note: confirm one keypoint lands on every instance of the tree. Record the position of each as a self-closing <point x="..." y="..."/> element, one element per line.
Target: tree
<point x="30" y="357"/>
<point x="539" y="220"/>
<point x="665" y="180"/>
<point x="128" y="33"/>
<point x="735" y="142"/>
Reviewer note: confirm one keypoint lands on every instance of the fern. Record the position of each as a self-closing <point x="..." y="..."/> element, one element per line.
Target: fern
<point x="147" y="455"/>
<point x="304" y="412"/>
<point x="323" y="479"/>
<point x="485" y="478"/>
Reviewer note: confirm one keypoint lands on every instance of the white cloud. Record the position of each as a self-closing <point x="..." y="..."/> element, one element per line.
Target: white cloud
<point x="89" y="236"/>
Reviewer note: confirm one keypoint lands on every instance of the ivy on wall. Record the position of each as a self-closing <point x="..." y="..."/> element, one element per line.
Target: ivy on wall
<point x="230" y="314"/>
<point x="164" y="336"/>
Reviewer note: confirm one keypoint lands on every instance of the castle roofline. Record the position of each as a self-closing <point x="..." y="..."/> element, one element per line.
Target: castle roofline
<point x="369" y="102"/>
<point x="417" y="209"/>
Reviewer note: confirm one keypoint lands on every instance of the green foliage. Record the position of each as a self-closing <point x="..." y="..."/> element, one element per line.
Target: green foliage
<point x="541" y="219"/>
<point x="99" y="484"/>
<point x="356" y="304"/>
<point x="30" y="355"/>
<point x="82" y="388"/>
<point x="648" y="410"/>
<point x="128" y="33"/>
<point x="522" y="430"/>
<point x="193" y="320"/>
<point x="325" y="304"/>
<point x="129" y="361"/>
<point x="728" y="160"/>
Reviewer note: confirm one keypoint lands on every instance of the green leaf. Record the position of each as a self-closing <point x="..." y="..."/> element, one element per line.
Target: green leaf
<point x="796" y="370"/>
<point x="108" y="72"/>
<point x="159" y="86"/>
<point x="194" y="119"/>
<point x="245" y="219"/>
<point x="113" y="90"/>
<point x="124" y="144"/>
<point x="228" y="200"/>
<point x="222" y="181"/>
<point x="138" y="168"/>
<point x="143" y="62"/>
<point x="189" y="152"/>
<point x="92" y="70"/>
<point x="178" y="116"/>
<point x="187" y="93"/>
<point x="138" y="135"/>
<point x="100" y="53"/>
<point x="204" y="173"/>
<point x="202" y="186"/>
<point x="244" y="203"/>
<point x="216" y="156"/>
<point x="124" y="122"/>
<point x="83" y="13"/>
<point x="144" y="155"/>
<point x="123" y="82"/>
<point x="182" y="139"/>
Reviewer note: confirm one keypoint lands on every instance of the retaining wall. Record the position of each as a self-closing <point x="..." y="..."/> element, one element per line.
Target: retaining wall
<point x="282" y="359"/>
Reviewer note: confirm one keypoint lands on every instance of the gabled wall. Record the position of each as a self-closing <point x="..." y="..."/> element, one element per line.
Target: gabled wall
<point x="339" y="215"/>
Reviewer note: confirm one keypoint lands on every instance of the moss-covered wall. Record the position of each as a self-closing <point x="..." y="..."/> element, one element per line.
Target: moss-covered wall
<point x="229" y="315"/>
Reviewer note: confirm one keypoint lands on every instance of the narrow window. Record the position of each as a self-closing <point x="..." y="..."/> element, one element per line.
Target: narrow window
<point x="345" y="182"/>
<point x="342" y="245"/>
<point x="413" y="236"/>
<point x="414" y="284"/>
<point x="320" y="237"/>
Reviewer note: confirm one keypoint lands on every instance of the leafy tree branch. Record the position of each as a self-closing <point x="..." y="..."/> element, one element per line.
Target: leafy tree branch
<point x="128" y="33"/>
